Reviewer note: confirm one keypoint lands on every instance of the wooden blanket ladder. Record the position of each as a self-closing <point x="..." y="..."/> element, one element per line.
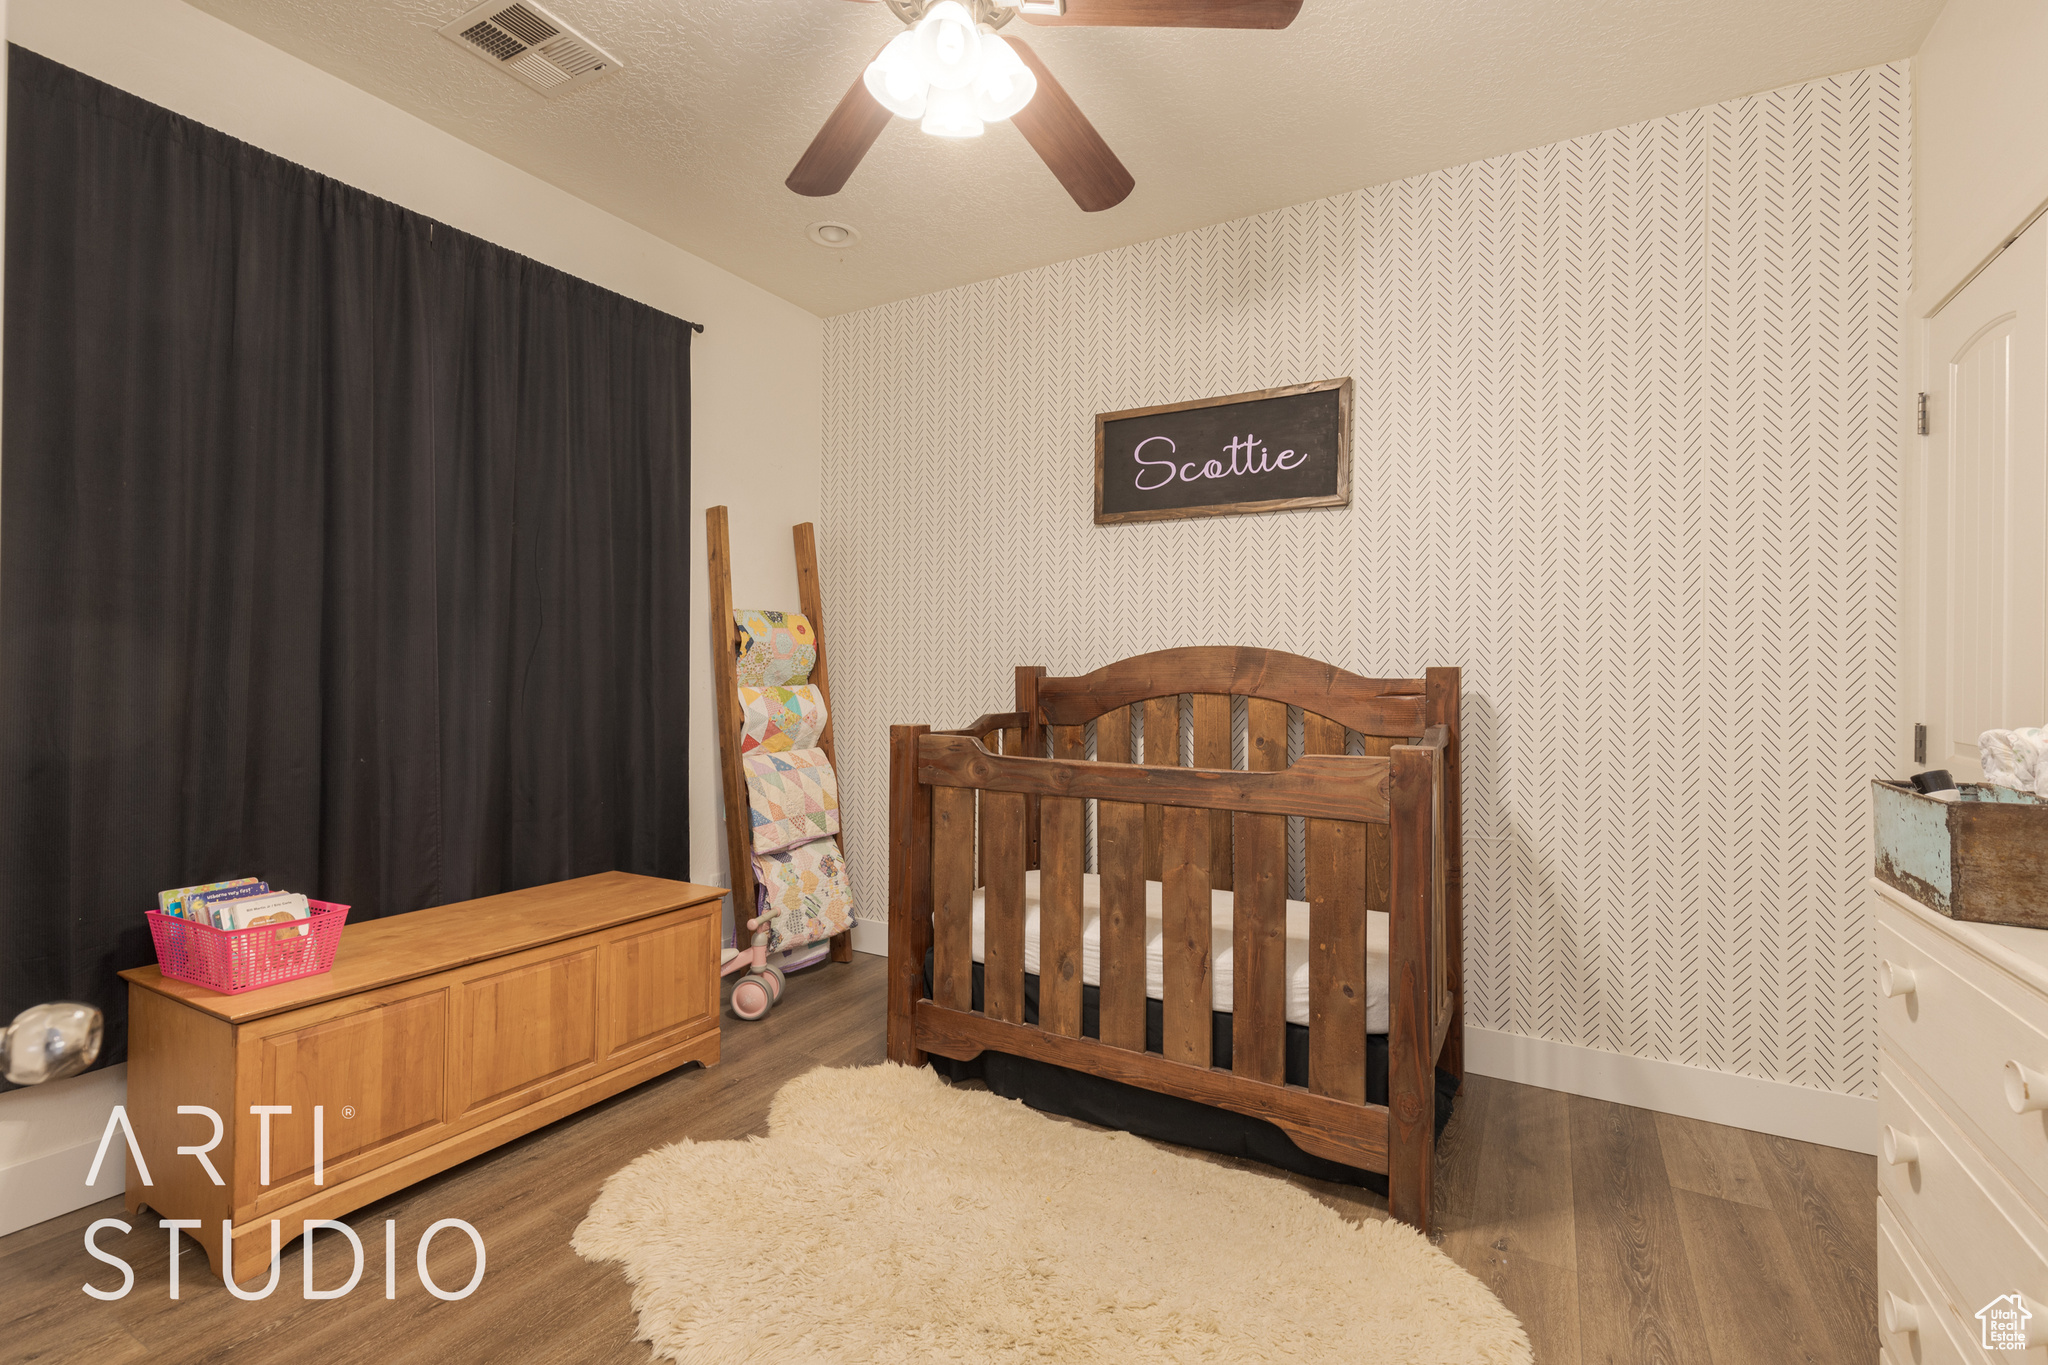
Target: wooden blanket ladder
<point x="725" y="685"/>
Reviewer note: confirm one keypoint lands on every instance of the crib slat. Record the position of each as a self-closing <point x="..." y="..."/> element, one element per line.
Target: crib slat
<point x="1259" y="946"/>
<point x="1002" y="851"/>
<point x="1120" y="835"/>
<point x="1059" y="915"/>
<point x="1113" y="736"/>
<point x="1013" y="743"/>
<point x="1265" y="747"/>
<point x="1211" y="728"/>
<point x="1185" y="930"/>
<point x="1060" y="853"/>
<point x="953" y="897"/>
<point x="1069" y="741"/>
<point x="1379" y="865"/>
<point x="1336" y="932"/>
<point x="1162" y="749"/>
<point x="1033" y="743"/>
<point x="996" y="742"/>
<point x="993" y="742"/>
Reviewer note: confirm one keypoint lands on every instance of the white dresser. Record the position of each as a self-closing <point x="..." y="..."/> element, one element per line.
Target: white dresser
<point x="1962" y="1212"/>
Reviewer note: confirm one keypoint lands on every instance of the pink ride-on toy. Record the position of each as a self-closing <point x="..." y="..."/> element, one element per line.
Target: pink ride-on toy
<point x="754" y="994"/>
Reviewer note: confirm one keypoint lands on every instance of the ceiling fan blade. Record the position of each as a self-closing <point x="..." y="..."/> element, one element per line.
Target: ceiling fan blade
<point x="840" y="144"/>
<point x="1175" y="13"/>
<point x="1067" y="142"/>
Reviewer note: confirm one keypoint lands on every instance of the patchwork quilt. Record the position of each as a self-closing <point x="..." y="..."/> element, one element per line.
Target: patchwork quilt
<point x="778" y="719"/>
<point x="804" y="893"/>
<point x="793" y="796"/>
<point x="776" y="648"/>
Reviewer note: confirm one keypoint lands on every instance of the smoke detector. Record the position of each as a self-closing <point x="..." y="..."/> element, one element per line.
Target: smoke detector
<point x="836" y="235"/>
<point x="531" y="45"/>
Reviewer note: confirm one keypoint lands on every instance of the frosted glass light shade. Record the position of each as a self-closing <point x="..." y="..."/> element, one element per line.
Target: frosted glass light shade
<point x="950" y="75"/>
<point x="1004" y="84"/>
<point x="948" y="46"/>
<point x="894" y="80"/>
<point x="950" y="113"/>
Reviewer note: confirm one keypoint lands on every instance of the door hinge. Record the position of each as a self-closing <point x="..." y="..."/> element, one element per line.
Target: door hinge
<point x="1920" y="734"/>
<point x="1923" y="414"/>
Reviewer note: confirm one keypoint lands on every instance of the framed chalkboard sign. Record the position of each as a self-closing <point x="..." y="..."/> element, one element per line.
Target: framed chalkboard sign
<point x="1269" y="451"/>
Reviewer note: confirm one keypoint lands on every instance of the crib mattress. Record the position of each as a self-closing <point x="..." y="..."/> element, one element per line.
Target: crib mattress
<point x="1220" y="950"/>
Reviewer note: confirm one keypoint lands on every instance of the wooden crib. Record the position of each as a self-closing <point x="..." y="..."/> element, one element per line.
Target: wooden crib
<point x="981" y="805"/>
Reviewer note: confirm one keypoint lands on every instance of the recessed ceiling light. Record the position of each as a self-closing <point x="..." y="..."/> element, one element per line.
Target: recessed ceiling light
<point x="838" y="236"/>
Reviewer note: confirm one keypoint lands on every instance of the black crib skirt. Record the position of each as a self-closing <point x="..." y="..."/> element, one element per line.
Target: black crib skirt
<point x="1170" y="1118"/>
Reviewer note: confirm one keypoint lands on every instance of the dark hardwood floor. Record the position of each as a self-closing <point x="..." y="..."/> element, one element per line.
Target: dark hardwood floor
<point x="1619" y="1236"/>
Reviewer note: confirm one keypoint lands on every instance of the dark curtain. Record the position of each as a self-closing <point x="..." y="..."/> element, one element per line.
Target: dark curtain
<point x="336" y="547"/>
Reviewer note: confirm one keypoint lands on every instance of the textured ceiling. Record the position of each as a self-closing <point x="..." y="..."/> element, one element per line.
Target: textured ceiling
<point x="692" y="140"/>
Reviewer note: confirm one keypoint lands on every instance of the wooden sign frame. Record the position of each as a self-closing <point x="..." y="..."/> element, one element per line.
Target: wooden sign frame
<point x="1340" y="498"/>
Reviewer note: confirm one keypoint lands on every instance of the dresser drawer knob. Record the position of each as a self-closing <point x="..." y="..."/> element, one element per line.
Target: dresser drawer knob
<point x="1900" y="1317"/>
<point x="1894" y="981"/>
<point x="1900" y="1149"/>
<point x="2026" y="1089"/>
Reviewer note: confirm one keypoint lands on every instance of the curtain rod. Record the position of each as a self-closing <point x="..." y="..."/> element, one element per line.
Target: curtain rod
<point x="697" y="327"/>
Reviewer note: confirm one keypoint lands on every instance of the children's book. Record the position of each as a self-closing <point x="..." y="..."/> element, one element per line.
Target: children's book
<point x="210" y="907"/>
<point x="279" y="907"/>
<point x="174" y="902"/>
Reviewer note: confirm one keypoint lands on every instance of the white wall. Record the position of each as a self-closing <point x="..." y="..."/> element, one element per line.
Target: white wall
<point x="1624" y="452"/>
<point x="1980" y="137"/>
<point x="755" y="369"/>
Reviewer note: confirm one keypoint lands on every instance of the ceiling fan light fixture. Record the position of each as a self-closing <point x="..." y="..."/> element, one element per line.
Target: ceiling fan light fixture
<point x="1004" y="84"/>
<point x="950" y="113"/>
<point x="894" y="79"/>
<point x="950" y="75"/>
<point x="948" y="46"/>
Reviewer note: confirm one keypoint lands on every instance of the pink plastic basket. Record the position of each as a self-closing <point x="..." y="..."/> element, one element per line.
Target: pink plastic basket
<point x="235" y="960"/>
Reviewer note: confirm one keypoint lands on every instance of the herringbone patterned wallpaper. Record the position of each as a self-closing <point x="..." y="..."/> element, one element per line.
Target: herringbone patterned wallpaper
<point x="1624" y="452"/>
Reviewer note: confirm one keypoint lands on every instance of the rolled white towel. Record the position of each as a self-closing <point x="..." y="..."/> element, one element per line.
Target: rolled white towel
<point x="2016" y="758"/>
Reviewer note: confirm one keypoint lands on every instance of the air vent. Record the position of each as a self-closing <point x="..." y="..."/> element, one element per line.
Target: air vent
<point x="523" y="23"/>
<point x="531" y="45"/>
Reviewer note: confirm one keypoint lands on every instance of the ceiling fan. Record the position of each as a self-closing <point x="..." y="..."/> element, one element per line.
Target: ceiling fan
<point x="951" y="70"/>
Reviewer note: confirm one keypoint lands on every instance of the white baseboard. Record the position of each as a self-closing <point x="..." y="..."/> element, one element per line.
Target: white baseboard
<point x="870" y="936"/>
<point x="46" y="1186"/>
<point x="1776" y="1107"/>
<point x="48" y="1135"/>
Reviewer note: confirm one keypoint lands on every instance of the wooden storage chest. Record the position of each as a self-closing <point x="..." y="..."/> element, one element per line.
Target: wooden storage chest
<point x="438" y="1035"/>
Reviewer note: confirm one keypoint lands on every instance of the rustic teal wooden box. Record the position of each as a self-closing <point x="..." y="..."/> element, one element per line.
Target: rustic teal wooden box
<point x="1982" y="857"/>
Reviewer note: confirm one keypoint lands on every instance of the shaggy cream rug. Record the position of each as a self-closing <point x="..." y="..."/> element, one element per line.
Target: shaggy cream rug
<point x="890" y="1217"/>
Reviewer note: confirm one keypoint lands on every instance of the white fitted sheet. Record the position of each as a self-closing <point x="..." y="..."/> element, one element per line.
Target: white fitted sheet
<point x="1220" y="949"/>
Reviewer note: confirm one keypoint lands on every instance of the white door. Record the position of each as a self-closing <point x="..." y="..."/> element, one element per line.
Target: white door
<point x="1980" y="645"/>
